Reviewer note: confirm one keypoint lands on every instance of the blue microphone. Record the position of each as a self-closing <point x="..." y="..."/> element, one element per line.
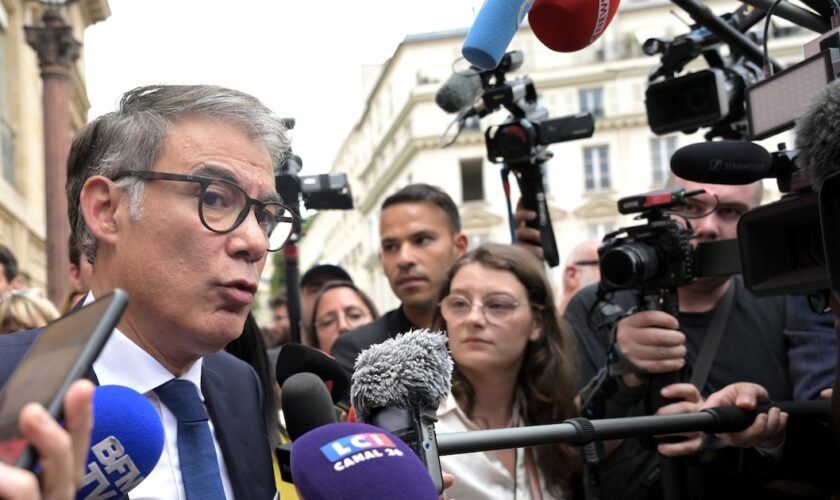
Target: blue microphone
<point x="125" y="444"/>
<point x="492" y="31"/>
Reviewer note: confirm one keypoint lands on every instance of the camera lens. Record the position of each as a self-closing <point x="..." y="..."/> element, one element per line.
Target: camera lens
<point x="629" y="265"/>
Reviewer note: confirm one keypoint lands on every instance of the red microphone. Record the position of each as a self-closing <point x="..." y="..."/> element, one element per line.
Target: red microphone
<point x="570" y="25"/>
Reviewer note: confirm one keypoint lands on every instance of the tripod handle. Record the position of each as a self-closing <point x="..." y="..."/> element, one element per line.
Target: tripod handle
<point x="533" y="196"/>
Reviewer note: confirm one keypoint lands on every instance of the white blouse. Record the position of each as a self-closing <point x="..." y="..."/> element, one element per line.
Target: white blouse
<point x="482" y="475"/>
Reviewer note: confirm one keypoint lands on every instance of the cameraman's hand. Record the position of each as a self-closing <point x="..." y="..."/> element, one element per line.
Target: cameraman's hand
<point x="691" y="402"/>
<point x="527" y="237"/>
<point x="650" y="340"/>
<point x="768" y="428"/>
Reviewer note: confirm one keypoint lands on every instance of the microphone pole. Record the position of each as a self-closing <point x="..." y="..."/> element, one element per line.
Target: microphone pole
<point x="287" y="184"/>
<point x="737" y="40"/>
<point x="582" y="431"/>
<point x="292" y="276"/>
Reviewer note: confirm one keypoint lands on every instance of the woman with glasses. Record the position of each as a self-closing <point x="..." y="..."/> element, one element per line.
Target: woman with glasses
<point x="512" y="368"/>
<point x="339" y="308"/>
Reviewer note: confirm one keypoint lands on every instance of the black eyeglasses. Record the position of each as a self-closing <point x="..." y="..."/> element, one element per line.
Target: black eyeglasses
<point x="222" y="206"/>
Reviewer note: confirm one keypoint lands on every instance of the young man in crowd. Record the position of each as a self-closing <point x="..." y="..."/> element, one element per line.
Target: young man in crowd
<point x="420" y="238"/>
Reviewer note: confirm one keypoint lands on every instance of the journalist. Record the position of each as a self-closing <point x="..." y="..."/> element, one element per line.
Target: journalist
<point x="738" y="336"/>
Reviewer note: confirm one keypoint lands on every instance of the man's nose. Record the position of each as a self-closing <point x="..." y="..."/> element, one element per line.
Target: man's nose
<point x="248" y="240"/>
<point x="405" y="256"/>
<point x="707" y="228"/>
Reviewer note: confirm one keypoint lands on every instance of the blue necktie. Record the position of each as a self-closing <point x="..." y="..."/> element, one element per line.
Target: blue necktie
<point x="196" y="451"/>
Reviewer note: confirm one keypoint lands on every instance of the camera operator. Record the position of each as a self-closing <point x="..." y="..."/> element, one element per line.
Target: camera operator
<point x="752" y="348"/>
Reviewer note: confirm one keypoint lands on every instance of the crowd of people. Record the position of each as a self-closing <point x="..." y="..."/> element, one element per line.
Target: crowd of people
<point x="180" y="180"/>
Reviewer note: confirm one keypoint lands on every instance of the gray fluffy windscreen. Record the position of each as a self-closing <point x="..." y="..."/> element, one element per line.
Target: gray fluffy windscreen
<point x="412" y="370"/>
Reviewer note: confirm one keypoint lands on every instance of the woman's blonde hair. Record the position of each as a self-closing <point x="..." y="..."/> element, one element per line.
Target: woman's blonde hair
<point x="25" y="309"/>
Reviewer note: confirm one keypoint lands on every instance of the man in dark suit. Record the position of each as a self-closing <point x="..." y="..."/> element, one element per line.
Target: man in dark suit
<point x="172" y="198"/>
<point x="420" y="238"/>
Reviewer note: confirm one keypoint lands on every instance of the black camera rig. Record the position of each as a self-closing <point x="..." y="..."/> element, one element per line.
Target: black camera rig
<point x="519" y="143"/>
<point x="315" y="192"/>
<point x="654" y="258"/>
<point x="712" y="97"/>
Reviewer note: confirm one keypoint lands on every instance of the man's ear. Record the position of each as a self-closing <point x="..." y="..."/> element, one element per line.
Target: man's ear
<point x="461" y="243"/>
<point x="571" y="277"/>
<point x="99" y="201"/>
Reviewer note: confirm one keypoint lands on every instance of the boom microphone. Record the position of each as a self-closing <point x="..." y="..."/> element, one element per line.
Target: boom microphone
<point x="816" y="135"/>
<point x="582" y="431"/>
<point x="126" y="443"/>
<point x="570" y="25"/>
<point x="351" y="461"/>
<point x="298" y="358"/>
<point x="492" y="31"/>
<point x="413" y="370"/>
<point x="459" y="91"/>
<point x="398" y="384"/>
<point x="723" y="162"/>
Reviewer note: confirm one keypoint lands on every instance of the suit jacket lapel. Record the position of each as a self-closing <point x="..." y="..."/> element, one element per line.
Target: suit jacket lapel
<point x="226" y="422"/>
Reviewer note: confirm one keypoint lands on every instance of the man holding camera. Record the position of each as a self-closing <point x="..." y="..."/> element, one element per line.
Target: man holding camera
<point x="723" y="334"/>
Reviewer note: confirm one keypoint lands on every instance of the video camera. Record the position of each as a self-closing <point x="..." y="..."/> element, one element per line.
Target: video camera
<point x="519" y="144"/>
<point x="329" y="191"/>
<point x="713" y="97"/>
<point x="785" y="246"/>
<point x="319" y="192"/>
<point x="788" y="246"/>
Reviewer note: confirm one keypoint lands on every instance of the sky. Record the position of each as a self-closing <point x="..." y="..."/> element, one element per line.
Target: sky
<point x="302" y="58"/>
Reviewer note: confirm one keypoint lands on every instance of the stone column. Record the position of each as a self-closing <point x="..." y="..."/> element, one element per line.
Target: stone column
<point x="57" y="51"/>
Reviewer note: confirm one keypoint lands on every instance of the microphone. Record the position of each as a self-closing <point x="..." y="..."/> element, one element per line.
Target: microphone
<point x="306" y="405"/>
<point x="816" y="136"/>
<point x="459" y="91"/>
<point x="723" y="162"/>
<point x="351" y="461"/>
<point x="298" y="358"/>
<point x="492" y="31"/>
<point x="398" y="384"/>
<point x="570" y="25"/>
<point x="126" y="443"/>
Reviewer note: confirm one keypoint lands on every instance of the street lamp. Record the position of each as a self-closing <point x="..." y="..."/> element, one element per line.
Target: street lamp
<point x="57" y="51"/>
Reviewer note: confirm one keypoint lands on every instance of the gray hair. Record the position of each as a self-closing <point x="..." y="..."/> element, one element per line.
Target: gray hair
<point x="131" y="138"/>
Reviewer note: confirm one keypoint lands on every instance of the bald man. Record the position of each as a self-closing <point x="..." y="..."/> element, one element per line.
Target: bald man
<point x="581" y="269"/>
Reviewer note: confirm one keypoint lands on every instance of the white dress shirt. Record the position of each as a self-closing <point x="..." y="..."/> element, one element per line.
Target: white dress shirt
<point x="481" y="475"/>
<point x="122" y="362"/>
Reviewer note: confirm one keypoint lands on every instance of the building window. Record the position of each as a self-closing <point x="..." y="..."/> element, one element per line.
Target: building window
<point x="596" y="168"/>
<point x="472" y="179"/>
<point x="592" y="100"/>
<point x="661" y="149"/>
